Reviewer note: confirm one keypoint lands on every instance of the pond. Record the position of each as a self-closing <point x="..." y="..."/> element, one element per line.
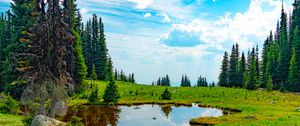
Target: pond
<point x="142" y="115"/>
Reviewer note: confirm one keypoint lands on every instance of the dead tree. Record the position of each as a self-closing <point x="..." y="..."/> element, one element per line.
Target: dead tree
<point x="48" y="77"/>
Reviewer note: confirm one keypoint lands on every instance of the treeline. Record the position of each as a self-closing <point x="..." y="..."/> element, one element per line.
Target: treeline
<point x="185" y="82"/>
<point x="121" y="76"/>
<point x="278" y="68"/>
<point x="162" y="81"/>
<point x="46" y="49"/>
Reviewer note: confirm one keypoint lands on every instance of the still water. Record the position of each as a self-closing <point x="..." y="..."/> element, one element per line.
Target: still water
<point x="143" y="115"/>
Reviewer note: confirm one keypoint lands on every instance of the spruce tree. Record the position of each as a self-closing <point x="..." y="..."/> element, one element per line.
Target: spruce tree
<point x="223" y="77"/>
<point x="101" y="54"/>
<point x="284" y="57"/>
<point x="251" y="78"/>
<point x="80" y="69"/>
<point x="241" y="71"/>
<point x="293" y="73"/>
<point x="111" y="94"/>
<point x="17" y="39"/>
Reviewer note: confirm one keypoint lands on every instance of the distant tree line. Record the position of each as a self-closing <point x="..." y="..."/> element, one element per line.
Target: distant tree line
<point x="121" y="76"/>
<point x="278" y="68"/>
<point x="162" y="81"/>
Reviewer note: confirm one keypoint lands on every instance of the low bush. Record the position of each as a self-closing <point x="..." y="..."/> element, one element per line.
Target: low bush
<point x="8" y="105"/>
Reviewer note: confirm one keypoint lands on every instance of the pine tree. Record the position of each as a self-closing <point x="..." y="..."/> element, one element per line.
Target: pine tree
<point x="111" y="94"/>
<point x="93" y="75"/>
<point x="284" y="57"/>
<point x="241" y="71"/>
<point x="80" y="69"/>
<point x="48" y="73"/>
<point x="269" y="85"/>
<point x="101" y="56"/>
<point x="293" y="73"/>
<point x="166" y="95"/>
<point x="132" y="78"/>
<point x="223" y="77"/>
<point x="266" y="60"/>
<point x="251" y="77"/>
<point x="17" y="39"/>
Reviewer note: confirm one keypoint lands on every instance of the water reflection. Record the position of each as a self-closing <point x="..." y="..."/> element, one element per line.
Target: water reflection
<point x="143" y="115"/>
<point x="166" y="109"/>
<point x="95" y="115"/>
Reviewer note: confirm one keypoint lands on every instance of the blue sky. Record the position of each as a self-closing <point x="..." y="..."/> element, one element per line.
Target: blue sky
<point x="152" y="38"/>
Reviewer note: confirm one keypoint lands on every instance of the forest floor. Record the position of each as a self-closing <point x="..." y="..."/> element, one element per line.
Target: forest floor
<point x="257" y="107"/>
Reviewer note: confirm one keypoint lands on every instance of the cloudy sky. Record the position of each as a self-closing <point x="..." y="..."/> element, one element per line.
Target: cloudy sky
<point x="152" y="38"/>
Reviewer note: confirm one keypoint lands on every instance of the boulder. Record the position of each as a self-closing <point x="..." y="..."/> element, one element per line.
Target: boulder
<point x="61" y="108"/>
<point x="41" y="120"/>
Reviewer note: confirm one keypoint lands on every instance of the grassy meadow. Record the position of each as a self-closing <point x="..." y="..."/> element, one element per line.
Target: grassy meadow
<point x="257" y="107"/>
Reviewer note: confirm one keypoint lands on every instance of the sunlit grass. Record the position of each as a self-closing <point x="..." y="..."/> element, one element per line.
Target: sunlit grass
<point x="258" y="107"/>
<point x="10" y="120"/>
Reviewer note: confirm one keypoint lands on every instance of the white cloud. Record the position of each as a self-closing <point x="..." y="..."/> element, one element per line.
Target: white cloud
<point x="147" y="15"/>
<point x="83" y="11"/>
<point x="141" y="4"/>
<point x="247" y="29"/>
<point x="166" y="18"/>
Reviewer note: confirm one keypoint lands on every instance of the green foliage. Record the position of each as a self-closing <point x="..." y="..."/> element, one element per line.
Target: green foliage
<point x="93" y="75"/>
<point x="233" y="73"/>
<point x="8" y="105"/>
<point x="27" y="120"/>
<point x="202" y="82"/>
<point x="94" y="46"/>
<point x="251" y="75"/>
<point x="163" y="81"/>
<point x="284" y="54"/>
<point x="80" y="67"/>
<point x="185" y="81"/>
<point x="223" y="77"/>
<point x="75" y="121"/>
<point x="166" y="95"/>
<point x="94" y="96"/>
<point x="111" y="94"/>
<point x="269" y="85"/>
<point x="293" y="72"/>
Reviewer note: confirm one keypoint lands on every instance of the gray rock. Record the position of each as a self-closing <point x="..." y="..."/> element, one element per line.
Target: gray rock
<point x="61" y="108"/>
<point x="41" y="120"/>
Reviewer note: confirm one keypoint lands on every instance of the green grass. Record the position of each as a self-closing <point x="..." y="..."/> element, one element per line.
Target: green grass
<point x="258" y="107"/>
<point x="10" y="120"/>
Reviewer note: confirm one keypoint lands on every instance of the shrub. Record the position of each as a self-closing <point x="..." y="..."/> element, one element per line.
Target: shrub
<point x="75" y="121"/>
<point x="166" y="95"/>
<point x="8" y="105"/>
<point x="94" y="95"/>
<point x="27" y="120"/>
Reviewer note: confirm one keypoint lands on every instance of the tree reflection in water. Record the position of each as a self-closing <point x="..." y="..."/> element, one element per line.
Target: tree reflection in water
<point x="94" y="115"/>
<point x="167" y="109"/>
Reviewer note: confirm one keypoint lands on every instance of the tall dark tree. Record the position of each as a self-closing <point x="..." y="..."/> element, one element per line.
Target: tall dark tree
<point x="111" y="94"/>
<point x="284" y="55"/>
<point x="19" y="22"/>
<point x="223" y="77"/>
<point x="79" y="70"/>
<point x="101" y="53"/>
<point x="185" y="81"/>
<point x="251" y="75"/>
<point x="48" y="75"/>
<point x="241" y="71"/>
